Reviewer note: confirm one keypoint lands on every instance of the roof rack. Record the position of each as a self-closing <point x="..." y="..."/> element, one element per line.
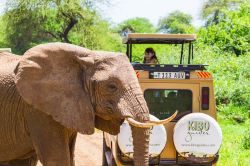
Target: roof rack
<point x="146" y="38"/>
<point x="5" y="49"/>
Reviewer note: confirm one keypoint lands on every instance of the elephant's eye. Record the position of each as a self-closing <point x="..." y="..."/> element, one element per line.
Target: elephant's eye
<point x="112" y="88"/>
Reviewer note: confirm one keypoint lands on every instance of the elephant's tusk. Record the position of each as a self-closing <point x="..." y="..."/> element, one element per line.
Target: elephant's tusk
<point x="159" y="122"/>
<point x="135" y="123"/>
<point x="150" y="123"/>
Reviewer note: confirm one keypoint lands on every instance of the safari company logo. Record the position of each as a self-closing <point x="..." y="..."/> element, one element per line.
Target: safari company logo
<point x="198" y="136"/>
<point x="197" y="128"/>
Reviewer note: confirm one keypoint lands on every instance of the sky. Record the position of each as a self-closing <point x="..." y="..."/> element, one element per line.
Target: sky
<point x="2" y="2"/>
<point x="120" y="10"/>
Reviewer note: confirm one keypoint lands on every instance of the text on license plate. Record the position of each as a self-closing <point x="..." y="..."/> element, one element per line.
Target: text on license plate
<point x="169" y="75"/>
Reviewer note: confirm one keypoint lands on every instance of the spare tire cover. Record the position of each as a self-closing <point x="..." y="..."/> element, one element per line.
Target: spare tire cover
<point x="157" y="142"/>
<point x="197" y="137"/>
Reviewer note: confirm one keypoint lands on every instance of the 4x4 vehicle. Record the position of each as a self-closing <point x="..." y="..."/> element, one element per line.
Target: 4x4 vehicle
<point x="193" y="137"/>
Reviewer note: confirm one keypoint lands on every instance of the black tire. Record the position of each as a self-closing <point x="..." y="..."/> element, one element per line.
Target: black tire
<point x="104" y="149"/>
<point x="113" y="160"/>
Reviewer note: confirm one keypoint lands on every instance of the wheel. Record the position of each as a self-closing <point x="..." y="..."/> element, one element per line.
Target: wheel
<point x="112" y="160"/>
<point x="104" y="149"/>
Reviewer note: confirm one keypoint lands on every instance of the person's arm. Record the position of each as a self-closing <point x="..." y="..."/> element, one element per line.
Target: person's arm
<point x="155" y="61"/>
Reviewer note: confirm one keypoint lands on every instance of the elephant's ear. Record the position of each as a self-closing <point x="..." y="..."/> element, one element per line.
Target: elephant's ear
<point x="50" y="78"/>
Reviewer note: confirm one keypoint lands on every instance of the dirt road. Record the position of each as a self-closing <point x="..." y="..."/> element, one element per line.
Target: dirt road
<point x="88" y="150"/>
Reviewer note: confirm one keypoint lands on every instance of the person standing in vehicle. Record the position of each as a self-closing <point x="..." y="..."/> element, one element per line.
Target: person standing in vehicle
<point x="150" y="56"/>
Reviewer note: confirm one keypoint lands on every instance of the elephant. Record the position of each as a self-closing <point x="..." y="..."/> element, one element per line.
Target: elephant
<point x="54" y="91"/>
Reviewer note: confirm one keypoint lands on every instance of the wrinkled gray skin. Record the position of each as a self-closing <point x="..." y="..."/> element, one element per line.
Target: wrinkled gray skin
<point x="56" y="90"/>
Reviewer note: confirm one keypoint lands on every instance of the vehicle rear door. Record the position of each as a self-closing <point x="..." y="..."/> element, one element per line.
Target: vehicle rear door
<point x="163" y="101"/>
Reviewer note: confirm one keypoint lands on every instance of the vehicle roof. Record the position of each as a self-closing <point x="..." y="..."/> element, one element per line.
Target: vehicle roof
<point x="5" y="49"/>
<point x="147" y="38"/>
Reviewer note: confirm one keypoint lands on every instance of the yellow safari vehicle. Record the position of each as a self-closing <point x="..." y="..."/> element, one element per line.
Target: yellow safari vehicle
<point x="193" y="137"/>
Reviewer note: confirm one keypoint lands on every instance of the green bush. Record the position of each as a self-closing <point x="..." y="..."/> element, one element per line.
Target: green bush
<point x="231" y="80"/>
<point x="231" y="34"/>
<point x="231" y="74"/>
<point x="238" y="114"/>
<point x="246" y="141"/>
<point x="233" y="151"/>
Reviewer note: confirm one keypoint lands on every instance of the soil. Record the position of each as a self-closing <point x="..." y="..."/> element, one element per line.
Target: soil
<point x="88" y="150"/>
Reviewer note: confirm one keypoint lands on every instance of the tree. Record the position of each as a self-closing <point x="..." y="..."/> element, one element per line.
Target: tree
<point x="176" y="22"/>
<point x="2" y="34"/>
<point x="32" y="22"/>
<point x="213" y="10"/>
<point x="231" y="33"/>
<point x="135" y="25"/>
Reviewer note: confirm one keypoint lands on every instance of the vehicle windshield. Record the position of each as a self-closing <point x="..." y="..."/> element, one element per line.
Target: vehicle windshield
<point x="163" y="103"/>
<point x="165" y="53"/>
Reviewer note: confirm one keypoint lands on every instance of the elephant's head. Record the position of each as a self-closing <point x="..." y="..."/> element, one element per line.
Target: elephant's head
<point x="84" y="89"/>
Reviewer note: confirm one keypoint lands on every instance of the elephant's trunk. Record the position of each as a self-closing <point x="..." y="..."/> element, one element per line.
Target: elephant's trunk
<point x="141" y="135"/>
<point x="141" y="145"/>
<point x="136" y="108"/>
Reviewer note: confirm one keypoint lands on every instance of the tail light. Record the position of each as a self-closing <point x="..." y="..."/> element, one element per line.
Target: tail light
<point x="205" y="98"/>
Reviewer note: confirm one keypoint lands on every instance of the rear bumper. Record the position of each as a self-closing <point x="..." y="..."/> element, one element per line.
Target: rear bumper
<point x="181" y="161"/>
<point x="178" y="161"/>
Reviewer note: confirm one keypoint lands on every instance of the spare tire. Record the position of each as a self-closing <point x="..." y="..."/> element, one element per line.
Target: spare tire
<point x="157" y="141"/>
<point x="197" y="137"/>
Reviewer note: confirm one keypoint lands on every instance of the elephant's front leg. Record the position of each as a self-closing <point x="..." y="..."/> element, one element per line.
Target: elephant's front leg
<point x="50" y="139"/>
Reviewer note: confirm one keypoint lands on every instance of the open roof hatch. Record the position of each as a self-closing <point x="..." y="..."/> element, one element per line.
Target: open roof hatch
<point x="143" y="38"/>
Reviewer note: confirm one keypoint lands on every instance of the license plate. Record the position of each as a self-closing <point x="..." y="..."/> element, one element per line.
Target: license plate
<point x="169" y="75"/>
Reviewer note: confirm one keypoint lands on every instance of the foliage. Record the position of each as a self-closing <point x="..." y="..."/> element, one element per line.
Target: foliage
<point x="246" y="140"/>
<point x="231" y="74"/>
<point x="232" y="33"/>
<point x="237" y="114"/>
<point x="231" y="80"/>
<point x="214" y="10"/>
<point x="96" y="35"/>
<point x="19" y="27"/>
<point x="2" y="33"/>
<point x="176" y="22"/>
<point x="232" y="151"/>
<point x="135" y="25"/>
<point x="29" y="23"/>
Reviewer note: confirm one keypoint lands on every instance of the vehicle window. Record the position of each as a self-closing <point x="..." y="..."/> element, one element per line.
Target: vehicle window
<point x="166" y="53"/>
<point x="163" y="103"/>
